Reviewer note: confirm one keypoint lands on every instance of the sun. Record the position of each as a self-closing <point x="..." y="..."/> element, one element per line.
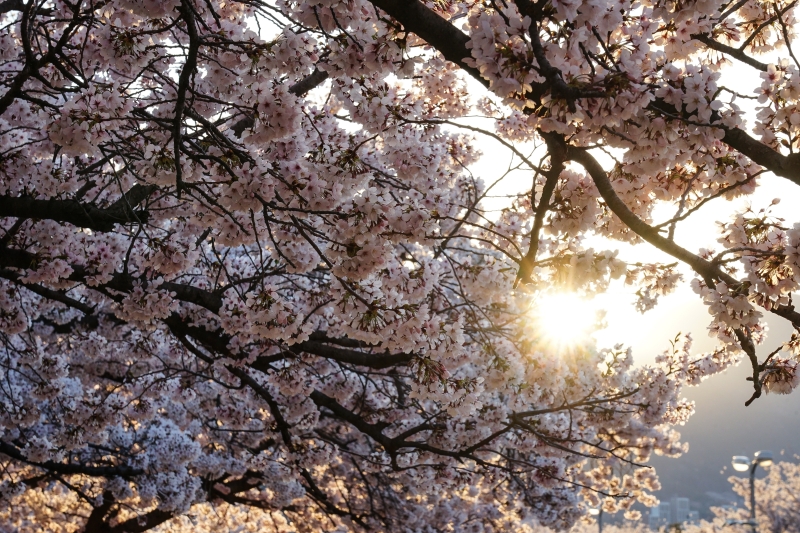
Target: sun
<point x="564" y="320"/>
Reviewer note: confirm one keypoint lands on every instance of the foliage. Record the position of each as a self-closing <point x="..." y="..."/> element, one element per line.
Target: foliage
<point x="249" y="282"/>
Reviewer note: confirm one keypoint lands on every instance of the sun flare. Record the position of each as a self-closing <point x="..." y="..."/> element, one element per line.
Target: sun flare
<point x="564" y="320"/>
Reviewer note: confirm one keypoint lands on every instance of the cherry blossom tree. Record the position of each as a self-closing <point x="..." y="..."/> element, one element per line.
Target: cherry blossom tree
<point x="248" y="280"/>
<point x="777" y="499"/>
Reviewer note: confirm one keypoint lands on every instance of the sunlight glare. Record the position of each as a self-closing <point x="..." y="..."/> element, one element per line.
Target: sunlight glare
<point x="564" y="320"/>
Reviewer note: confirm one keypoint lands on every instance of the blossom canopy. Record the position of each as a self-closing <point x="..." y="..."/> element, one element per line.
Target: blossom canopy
<point x="249" y="279"/>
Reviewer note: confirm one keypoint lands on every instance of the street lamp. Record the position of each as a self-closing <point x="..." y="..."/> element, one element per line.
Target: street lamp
<point x="741" y="463"/>
<point x="598" y="512"/>
<point x="734" y="522"/>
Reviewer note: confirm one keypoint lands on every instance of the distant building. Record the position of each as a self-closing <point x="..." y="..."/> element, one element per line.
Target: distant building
<point x="654" y="520"/>
<point x="659" y="516"/>
<point x="664" y="510"/>
<point x="679" y="510"/>
<point x="676" y="511"/>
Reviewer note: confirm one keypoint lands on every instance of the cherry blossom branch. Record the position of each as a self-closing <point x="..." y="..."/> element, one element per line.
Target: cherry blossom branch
<point x="80" y="214"/>
<point x="33" y="65"/>
<point x="736" y="53"/>
<point x="735" y="7"/>
<point x="44" y="292"/>
<point x="557" y="159"/>
<point x="768" y="22"/>
<point x="785" y="166"/>
<point x="11" y="5"/>
<point x="482" y="131"/>
<point x="555" y="79"/>
<point x="210" y="301"/>
<point x="746" y="342"/>
<point x="376" y="361"/>
<point x="187" y="12"/>
<point x="587" y="402"/>
<point x="641" y="228"/>
<point x="138" y="524"/>
<point x="706" y="269"/>
<point x="438" y="32"/>
<point x="300" y="88"/>
<point x="70" y="468"/>
<point x="688" y="212"/>
<point x="435" y="29"/>
<point x="785" y="33"/>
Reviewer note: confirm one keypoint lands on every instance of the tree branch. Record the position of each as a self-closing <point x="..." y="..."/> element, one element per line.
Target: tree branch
<point x="300" y="88"/>
<point x="81" y="214"/>
<point x="44" y="292"/>
<point x="731" y="51"/>
<point x="70" y="468"/>
<point x="436" y="31"/>
<point x="187" y="12"/>
<point x="557" y="157"/>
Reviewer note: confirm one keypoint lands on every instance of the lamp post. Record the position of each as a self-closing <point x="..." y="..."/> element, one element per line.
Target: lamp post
<point x="741" y="463"/>
<point x="598" y="512"/>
